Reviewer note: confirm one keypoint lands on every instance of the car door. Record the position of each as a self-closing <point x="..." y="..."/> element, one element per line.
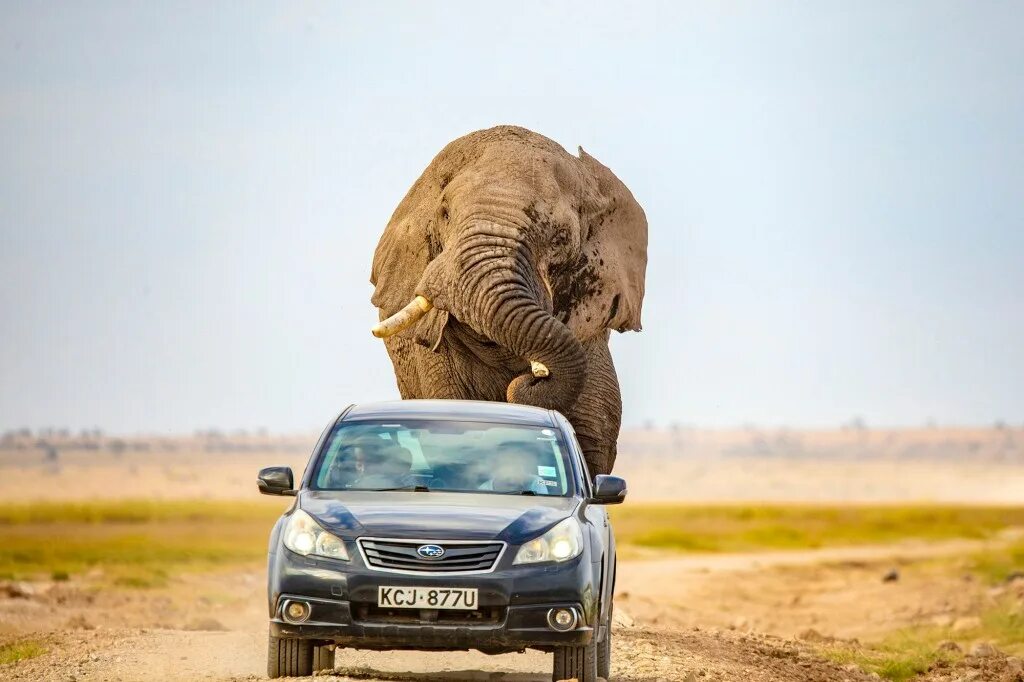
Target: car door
<point x="596" y="517"/>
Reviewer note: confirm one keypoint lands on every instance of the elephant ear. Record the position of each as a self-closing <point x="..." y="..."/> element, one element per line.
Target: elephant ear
<point x="606" y="284"/>
<point x="404" y="252"/>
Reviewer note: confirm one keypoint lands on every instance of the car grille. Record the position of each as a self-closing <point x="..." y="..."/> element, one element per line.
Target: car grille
<point x="459" y="557"/>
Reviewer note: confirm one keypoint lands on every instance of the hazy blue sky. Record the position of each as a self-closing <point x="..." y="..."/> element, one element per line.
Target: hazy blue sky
<point x="190" y="195"/>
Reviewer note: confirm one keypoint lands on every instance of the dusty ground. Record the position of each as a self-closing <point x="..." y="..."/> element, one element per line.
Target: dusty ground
<point x="744" y="617"/>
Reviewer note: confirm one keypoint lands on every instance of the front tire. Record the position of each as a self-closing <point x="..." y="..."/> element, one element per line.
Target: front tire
<point x="289" y="657"/>
<point x="576" y="662"/>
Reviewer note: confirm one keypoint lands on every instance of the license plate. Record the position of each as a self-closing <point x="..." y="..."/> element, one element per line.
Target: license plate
<point x="427" y="597"/>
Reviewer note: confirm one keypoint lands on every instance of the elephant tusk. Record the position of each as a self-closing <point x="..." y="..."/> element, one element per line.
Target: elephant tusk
<point x="539" y="369"/>
<point x="403" y="319"/>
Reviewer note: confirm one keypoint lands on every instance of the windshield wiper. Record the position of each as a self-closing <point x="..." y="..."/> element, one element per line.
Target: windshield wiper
<point x="417" y="487"/>
<point x="520" y="492"/>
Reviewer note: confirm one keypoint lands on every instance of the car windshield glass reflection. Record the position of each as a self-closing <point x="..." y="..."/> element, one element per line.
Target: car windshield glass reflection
<point x="425" y="455"/>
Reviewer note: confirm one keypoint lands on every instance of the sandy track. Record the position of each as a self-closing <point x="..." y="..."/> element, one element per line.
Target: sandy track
<point x="641" y="655"/>
<point x="694" y="618"/>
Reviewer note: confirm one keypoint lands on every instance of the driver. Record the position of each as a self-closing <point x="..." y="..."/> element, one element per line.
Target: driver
<point x="348" y="466"/>
<point x="515" y="471"/>
<point x="371" y="463"/>
<point x="387" y="465"/>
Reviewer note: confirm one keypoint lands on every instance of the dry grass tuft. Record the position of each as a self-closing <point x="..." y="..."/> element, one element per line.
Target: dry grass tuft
<point x="19" y="651"/>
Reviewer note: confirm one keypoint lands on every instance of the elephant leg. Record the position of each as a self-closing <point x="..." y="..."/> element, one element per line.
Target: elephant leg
<point x="405" y="360"/>
<point x="597" y="413"/>
<point x="424" y="374"/>
<point x="440" y="377"/>
<point x="449" y="373"/>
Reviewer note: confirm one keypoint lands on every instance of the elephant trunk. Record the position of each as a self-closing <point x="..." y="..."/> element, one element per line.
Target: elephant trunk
<point x="497" y="293"/>
<point x="488" y="281"/>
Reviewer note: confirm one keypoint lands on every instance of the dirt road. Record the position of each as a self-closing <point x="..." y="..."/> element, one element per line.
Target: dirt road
<point x="680" y="619"/>
<point x="641" y="655"/>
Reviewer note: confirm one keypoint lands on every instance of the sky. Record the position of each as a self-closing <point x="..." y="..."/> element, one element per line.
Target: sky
<point x="191" y="192"/>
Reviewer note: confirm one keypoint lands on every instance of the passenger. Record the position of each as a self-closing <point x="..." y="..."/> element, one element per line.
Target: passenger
<point x="515" y="470"/>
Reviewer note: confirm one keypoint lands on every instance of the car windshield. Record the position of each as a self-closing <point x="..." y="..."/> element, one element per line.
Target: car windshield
<point x="444" y="455"/>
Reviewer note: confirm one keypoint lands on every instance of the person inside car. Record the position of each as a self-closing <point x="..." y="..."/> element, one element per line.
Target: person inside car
<point x="386" y="465"/>
<point x="348" y="466"/>
<point x="516" y="471"/>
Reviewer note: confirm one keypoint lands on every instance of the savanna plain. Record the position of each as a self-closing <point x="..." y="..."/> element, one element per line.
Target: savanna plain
<point x="746" y="554"/>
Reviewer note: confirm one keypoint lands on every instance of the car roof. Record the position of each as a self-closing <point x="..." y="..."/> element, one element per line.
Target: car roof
<point x="452" y="410"/>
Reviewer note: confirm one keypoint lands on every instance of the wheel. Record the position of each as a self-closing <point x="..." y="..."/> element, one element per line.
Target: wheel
<point x="604" y="648"/>
<point x="576" y="662"/>
<point x="323" y="658"/>
<point x="289" y="657"/>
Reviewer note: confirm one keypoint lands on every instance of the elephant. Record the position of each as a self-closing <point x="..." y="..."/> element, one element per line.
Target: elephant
<point x="501" y="275"/>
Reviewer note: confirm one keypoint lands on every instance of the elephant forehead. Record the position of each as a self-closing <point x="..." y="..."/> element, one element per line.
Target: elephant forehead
<point x="529" y="172"/>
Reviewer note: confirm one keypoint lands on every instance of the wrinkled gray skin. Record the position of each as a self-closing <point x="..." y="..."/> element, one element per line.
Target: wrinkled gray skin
<point x="526" y="253"/>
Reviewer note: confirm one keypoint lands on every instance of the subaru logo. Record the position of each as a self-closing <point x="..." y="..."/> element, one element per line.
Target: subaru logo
<point x="430" y="551"/>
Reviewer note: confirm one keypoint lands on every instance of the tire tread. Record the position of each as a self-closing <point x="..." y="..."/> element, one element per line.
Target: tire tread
<point x="289" y="657"/>
<point x="575" y="662"/>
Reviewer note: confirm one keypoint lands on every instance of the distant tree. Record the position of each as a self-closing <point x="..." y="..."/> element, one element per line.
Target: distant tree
<point x="857" y="424"/>
<point x="50" y="453"/>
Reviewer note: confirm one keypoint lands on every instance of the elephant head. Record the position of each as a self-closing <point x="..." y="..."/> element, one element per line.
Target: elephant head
<point x="531" y="248"/>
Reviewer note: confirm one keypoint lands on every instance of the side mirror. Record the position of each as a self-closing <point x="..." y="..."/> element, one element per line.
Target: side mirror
<point x="609" y="490"/>
<point x="276" y="481"/>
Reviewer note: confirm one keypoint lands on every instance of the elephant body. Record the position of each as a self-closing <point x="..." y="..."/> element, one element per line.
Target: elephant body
<point x="518" y="259"/>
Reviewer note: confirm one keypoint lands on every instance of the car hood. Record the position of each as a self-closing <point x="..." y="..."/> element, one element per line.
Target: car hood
<point x="435" y="515"/>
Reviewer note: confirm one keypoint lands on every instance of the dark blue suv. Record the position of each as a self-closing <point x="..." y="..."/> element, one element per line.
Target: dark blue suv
<point x="443" y="525"/>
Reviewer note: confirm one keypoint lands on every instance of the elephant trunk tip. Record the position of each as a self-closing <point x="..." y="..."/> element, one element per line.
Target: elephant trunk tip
<point x="539" y="369"/>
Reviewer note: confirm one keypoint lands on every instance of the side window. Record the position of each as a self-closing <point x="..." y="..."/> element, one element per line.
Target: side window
<point x="318" y="454"/>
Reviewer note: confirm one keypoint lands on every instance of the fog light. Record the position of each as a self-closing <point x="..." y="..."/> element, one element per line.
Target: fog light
<point x="562" y="619"/>
<point x="295" y="611"/>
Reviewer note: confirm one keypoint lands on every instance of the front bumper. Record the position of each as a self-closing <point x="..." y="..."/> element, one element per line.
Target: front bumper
<point x="521" y="627"/>
<point x="512" y="615"/>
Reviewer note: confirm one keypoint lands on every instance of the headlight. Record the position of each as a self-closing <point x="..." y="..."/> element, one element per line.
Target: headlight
<point x="561" y="543"/>
<point x="304" y="536"/>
